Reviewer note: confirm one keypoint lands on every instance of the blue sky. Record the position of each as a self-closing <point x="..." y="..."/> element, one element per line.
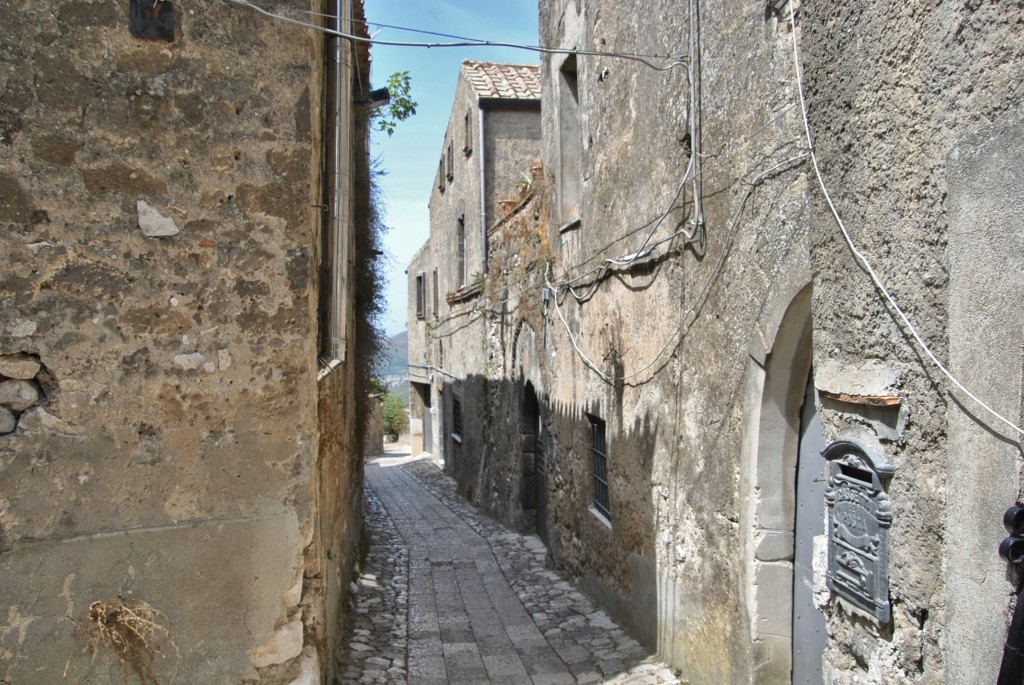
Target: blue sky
<point x="410" y="155"/>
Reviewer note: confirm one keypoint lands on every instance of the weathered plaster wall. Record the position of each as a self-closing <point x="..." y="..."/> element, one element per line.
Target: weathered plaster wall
<point x="172" y="453"/>
<point x="896" y="94"/>
<point x="676" y="327"/>
<point x="456" y="193"/>
<point x="985" y="174"/>
<point x="511" y="138"/>
<point x="697" y="355"/>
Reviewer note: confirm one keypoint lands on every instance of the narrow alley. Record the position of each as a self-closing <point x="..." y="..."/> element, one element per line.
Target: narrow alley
<point x="447" y="595"/>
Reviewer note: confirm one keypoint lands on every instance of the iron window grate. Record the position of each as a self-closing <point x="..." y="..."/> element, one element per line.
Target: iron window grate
<point x="457" y="417"/>
<point x="599" y="450"/>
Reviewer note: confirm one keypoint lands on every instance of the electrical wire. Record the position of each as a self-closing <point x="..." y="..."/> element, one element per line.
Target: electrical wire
<point x="646" y="250"/>
<point x="860" y="256"/>
<point x="724" y="152"/>
<point x="670" y="62"/>
<point x="685" y="321"/>
<point x="713" y="158"/>
<point x="698" y="303"/>
<point x="572" y="339"/>
<point x="643" y="250"/>
<point x="367" y="22"/>
<point x="424" y="32"/>
<point x="729" y="148"/>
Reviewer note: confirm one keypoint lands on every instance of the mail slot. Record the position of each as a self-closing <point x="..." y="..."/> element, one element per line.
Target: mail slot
<point x="859" y="518"/>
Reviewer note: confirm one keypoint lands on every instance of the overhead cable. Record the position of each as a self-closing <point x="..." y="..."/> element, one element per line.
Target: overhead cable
<point x="864" y="261"/>
<point x="670" y="62"/>
<point x="685" y="321"/>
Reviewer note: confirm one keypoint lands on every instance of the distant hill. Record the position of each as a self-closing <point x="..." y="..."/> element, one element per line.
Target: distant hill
<point x="396" y="357"/>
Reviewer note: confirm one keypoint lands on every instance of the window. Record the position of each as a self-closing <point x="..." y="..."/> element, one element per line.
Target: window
<point x="467" y="140"/>
<point x="440" y="175"/>
<point x="451" y="164"/>
<point x="599" y="450"/>
<point x="460" y="253"/>
<point x="457" y="418"/>
<point x="435" y="294"/>
<point x="421" y="296"/>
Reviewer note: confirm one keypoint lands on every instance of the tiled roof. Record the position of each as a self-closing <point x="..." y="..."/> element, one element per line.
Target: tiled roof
<point x="509" y="81"/>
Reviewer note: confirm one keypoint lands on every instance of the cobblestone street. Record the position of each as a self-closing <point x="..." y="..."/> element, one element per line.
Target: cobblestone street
<point x="447" y="595"/>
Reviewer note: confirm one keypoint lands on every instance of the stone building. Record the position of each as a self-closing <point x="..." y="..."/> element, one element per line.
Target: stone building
<point x="734" y="439"/>
<point x="492" y="141"/>
<point x="181" y="190"/>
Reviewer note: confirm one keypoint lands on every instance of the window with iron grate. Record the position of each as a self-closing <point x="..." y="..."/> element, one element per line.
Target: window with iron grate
<point x="599" y="452"/>
<point x="457" y="418"/>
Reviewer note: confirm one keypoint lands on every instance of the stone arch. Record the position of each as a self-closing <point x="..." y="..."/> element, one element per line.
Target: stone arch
<point x="777" y="378"/>
<point x="524" y="360"/>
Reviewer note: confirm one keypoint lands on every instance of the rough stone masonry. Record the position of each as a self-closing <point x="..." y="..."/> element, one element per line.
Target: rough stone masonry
<point x="160" y="417"/>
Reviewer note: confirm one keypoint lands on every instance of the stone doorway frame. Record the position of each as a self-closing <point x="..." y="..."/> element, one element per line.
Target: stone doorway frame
<point x="776" y="383"/>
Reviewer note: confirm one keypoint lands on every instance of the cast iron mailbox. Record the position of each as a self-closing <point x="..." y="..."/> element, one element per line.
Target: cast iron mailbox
<point x="859" y="517"/>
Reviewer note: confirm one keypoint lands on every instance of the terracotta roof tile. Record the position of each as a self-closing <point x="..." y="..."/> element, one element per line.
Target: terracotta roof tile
<point x="509" y="81"/>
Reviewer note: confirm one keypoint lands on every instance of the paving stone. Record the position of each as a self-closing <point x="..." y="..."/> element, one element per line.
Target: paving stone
<point x="447" y="595"/>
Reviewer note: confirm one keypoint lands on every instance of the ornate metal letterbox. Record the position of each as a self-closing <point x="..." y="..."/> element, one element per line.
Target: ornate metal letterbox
<point x="859" y="517"/>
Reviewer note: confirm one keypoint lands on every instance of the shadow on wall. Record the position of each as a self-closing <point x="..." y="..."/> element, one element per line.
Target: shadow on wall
<point x="561" y="617"/>
<point x="573" y="476"/>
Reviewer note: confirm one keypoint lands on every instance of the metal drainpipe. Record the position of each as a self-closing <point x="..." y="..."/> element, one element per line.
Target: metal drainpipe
<point x="694" y="68"/>
<point x="483" y="186"/>
<point x="337" y="344"/>
<point x="338" y="252"/>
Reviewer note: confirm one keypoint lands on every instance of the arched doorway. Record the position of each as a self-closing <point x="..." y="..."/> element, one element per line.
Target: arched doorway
<point x="782" y="471"/>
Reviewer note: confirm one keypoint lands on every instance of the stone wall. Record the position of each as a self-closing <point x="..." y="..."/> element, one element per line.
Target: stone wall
<point x="505" y="474"/>
<point x="656" y="346"/>
<point x="697" y="354"/>
<point x="158" y="338"/>
<point x="679" y="279"/>
<point x="447" y="345"/>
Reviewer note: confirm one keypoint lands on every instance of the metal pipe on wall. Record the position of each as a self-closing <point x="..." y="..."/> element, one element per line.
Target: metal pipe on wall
<point x="483" y="187"/>
<point x="338" y="215"/>
<point x="695" y="146"/>
<point x="337" y="344"/>
<point x="337" y="219"/>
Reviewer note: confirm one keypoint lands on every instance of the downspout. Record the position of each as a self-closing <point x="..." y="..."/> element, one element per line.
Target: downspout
<point x="483" y="186"/>
<point x="695" y="146"/>
<point x="337" y="342"/>
<point x="339" y="246"/>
